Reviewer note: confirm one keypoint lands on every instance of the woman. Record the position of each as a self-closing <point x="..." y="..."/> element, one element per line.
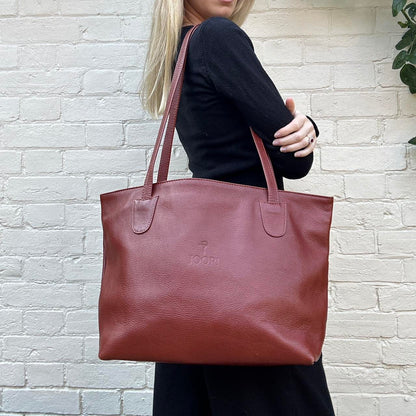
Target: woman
<point x="225" y="91"/>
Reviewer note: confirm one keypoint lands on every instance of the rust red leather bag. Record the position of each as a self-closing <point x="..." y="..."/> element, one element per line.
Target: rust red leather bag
<point x="210" y="272"/>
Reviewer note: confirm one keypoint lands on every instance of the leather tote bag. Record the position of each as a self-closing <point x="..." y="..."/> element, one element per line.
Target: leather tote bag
<point x="203" y="271"/>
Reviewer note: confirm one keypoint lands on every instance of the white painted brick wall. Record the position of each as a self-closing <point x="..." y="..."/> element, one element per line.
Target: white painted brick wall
<point x="71" y="128"/>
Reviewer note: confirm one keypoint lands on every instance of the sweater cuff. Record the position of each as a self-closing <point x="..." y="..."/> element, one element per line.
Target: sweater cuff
<point x="315" y="126"/>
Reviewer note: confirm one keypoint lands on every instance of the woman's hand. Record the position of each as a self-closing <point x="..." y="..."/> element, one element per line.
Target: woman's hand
<point x="294" y="135"/>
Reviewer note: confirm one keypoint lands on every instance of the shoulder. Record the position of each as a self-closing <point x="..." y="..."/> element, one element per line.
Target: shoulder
<point x="219" y="31"/>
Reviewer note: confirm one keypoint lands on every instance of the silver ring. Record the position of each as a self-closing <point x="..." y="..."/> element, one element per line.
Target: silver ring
<point x="309" y="139"/>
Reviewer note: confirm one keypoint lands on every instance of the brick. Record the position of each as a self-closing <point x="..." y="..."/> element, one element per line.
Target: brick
<point x="104" y="7"/>
<point x="407" y="103"/>
<point x="320" y="184"/>
<point x="282" y="51"/>
<point x="91" y="350"/>
<point x="386" y="76"/>
<point x="405" y="325"/>
<point x="138" y="403"/>
<point x="37" y="56"/>
<point x="355" y="104"/>
<point x="357" y="131"/>
<point x="409" y="377"/>
<point x="42" y="349"/>
<point x="367" y="215"/>
<point x="42" y="269"/>
<point x="349" y="76"/>
<point x="40" y="29"/>
<point x="43" y="322"/>
<point x="397" y="298"/>
<point x="42" y="161"/>
<point x="36" y="108"/>
<point x="399" y="352"/>
<point x="101" y="109"/>
<point x="286" y="23"/>
<point x="365" y="186"/>
<point x="385" y="22"/>
<point x="12" y="374"/>
<point x="10" y="215"/>
<point x="349" y="296"/>
<point x="44" y="135"/>
<point x="349" y="49"/>
<point x="400" y="186"/>
<point x="355" y="269"/>
<point x="361" y="324"/>
<point x="29" y="82"/>
<point x="398" y="130"/>
<point x="9" y="108"/>
<point x="353" y="351"/>
<point x="41" y="295"/>
<point x="100" y="185"/>
<point x="93" y="241"/>
<point x="365" y="159"/>
<point x="131" y="80"/>
<point x="103" y="402"/>
<point x="36" y="242"/>
<point x="10" y="161"/>
<point x="45" y="375"/>
<point x="82" y="322"/>
<point x="150" y="374"/>
<point x="352" y="21"/>
<point x="44" y="189"/>
<point x="105" y="135"/>
<point x="351" y="3"/>
<point x="8" y="57"/>
<point x="39" y="7"/>
<point x="58" y="401"/>
<point x="354" y="404"/>
<point x="82" y="269"/>
<point x="104" y="56"/>
<point x="136" y="28"/>
<point x="83" y="215"/>
<point x="355" y="242"/>
<point x="92" y="292"/>
<point x="403" y="405"/>
<point x="44" y="215"/>
<point x="100" y="28"/>
<point x="10" y="321"/>
<point x="8" y="7"/>
<point x="409" y="270"/>
<point x="107" y="376"/>
<point x="397" y="242"/>
<point x="101" y="81"/>
<point x="347" y="379"/>
<point x="104" y="161"/>
<point x="10" y="267"/>
<point x="303" y="77"/>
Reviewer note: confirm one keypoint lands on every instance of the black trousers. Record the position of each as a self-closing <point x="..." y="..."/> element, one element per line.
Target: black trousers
<point x="217" y="390"/>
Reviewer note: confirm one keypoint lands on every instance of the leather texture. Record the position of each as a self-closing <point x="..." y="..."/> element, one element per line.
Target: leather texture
<point x="209" y="272"/>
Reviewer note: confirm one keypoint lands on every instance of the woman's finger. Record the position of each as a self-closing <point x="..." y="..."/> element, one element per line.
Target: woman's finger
<point x="301" y="142"/>
<point x="305" y="151"/>
<point x="293" y="126"/>
<point x="292" y="139"/>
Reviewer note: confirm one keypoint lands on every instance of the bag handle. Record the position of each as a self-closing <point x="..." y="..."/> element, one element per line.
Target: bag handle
<point x="171" y="110"/>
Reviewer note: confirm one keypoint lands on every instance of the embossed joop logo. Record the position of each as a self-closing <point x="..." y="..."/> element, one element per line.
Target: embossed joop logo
<point x="204" y="259"/>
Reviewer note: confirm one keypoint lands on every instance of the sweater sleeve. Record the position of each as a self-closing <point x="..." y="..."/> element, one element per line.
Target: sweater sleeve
<point x="234" y="70"/>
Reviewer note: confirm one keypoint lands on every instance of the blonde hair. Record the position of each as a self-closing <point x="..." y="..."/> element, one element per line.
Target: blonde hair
<point x="167" y="20"/>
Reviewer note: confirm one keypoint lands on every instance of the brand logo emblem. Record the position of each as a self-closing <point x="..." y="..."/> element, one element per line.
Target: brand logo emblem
<point x="204" y="258"/>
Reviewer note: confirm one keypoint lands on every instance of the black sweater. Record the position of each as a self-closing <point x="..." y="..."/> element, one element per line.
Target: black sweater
<point x="225" y="91"/>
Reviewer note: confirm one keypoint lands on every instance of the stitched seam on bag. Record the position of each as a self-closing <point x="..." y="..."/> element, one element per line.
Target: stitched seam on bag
<point x="146" y="225"/>
<point x="221" y="183"/>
